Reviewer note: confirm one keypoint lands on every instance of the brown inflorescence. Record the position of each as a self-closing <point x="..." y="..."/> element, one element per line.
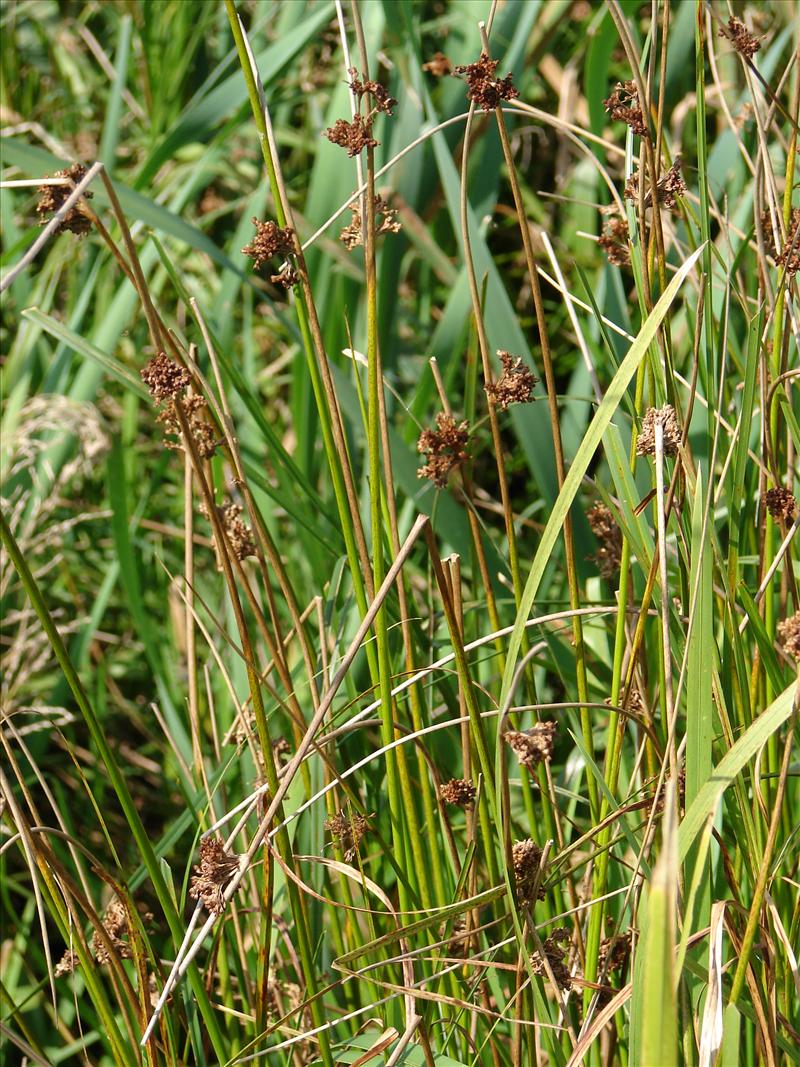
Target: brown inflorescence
<point x="211" y="876"/>
<point x="164" y="377"/>
<point x="668" y="188"/>
<point x="789" y="634"/>
<point x="201" y="430"/>
<point x="614" y="952"/>
<point x="482" y="86"/>
<point x="533" y="746"/>
<point x="53" y="197"/>
<point x="614" y="242"/>
<point x="115" y="924"/>
<point x="526" y="857"/>
<point x="515" y="384"/>
<point x="347" y="832"/>
<point x="459" y="791"/>
<point x="270" y="240"/>
<point x="380" y="96"/>
<point x="438" y="65"/>
<point x="623" y="104"/>
<point x="287" y="277"/>
<point x="666" y="418"/>
<point x="789" y="257"/>
<point x="444" y="448"/>
<point x="355" y="136"/>
<point x="745" y="42"/>
<point x="781" y="505"/>
<point x="67" y="964"/>
<point x="238" y="531"/>
<point x="608" y="533"/>
<point x="556" y="957"/>
<point x="353" y="235"/>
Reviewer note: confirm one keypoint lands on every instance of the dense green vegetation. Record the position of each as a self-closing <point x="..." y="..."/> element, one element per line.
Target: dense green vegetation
<point x="401" y="610"/>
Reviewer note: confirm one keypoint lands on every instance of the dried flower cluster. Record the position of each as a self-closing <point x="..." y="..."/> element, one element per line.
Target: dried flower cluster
<point x="623" y="104"/>
<point x="533" y="746"/>
<point x="664" y="417"/>
<point x="67" y="964"/>
<point x="458" y="943"/>
<point x="789" y="257"/>
<point x="668" y="188"/>
<point x="287" y="277"/>
<point x="608" y="533"/>
<point x="614" y="242"/>
<point x="781" y="504"/>
<point x="459" y="791"/>
<point x="526" y="857"/>
<point x="445" y="448"/>
<point x="745" y="43"/>
<point x="347" y="832"/>
<point x="353" y="234"/>
<point x="482" y="86"/>
<point x="115" y="924"/>
<point x="200" y="429"/>
<point x="211" y="876"/>
<point x="789" y="634"/>
<point x="556" y="956"/>
<point x="614" y="952"/>
<point x="515" y="384"/>
<point x="438" y="65"/>
<point x="53" y="197"/>
<point x="354" y="136"/>
<point x="238" y="531"/>
<point x="270" y="240"/>
<point x="380" y="96"/>
<point x="164" y="377"/>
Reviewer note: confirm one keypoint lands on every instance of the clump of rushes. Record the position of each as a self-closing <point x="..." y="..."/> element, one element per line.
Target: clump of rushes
<point x="347" y="832"/>
<point x="526" y="856"/>
<point x="745" y="42"/>
<point x="781" y="505"/>
<point x="646" y="442"/>
<point x="444" y="448"/>
<point x="115" y="924"/>
<point x="53" y="197"/>
<point x="210" y="877"/>
<point x="482" y="87"/>
<point x="270" y="240"/>
<point x="438" y="65"/>
<point x="624" y="105"/>
<point x="789" y="634"/>
<point x="459" y="791"/>
<point x="353" y="235"/>
<point x="533" y="746"/>
<point x="668" y="188"/>
<point x="556" y="957"/>
<point x="614" y="242"/>
<point x="515" y="384"/>
<point x="608" y="533"/>
<point x="789" y="257"/>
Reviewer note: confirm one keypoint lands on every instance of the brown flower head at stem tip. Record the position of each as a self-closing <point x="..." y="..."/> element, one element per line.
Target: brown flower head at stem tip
<point x="526" y="857"/>
<point x="482" y="86"/>
<point x="211" y="876"/>
<point x="355" y="136"/>
<point x="780" y="503"/>
<point x="789" y="257"/>
<point x="458" y="791"/>
<point x="270" y="240"/>
<point x="743" y="41"/>
<point x="287" y="277"/>
<point x="115" y="924"/>
<point x="164" y="377"/>
<point x="458" y="942"/>
<point x="67" y="964"/>
<point x="515" y="384"/>
<point x="789" y="634"/>
<point x="614" y="952"/>
<point x="623" y="104"/>
<point x="608" y="533"/>
<point x="201" y="430"/>
<point x="280" y="750"/>
<point x="533" y="746"/>
<point x="347" y="832"/>
<point x="238" y="531"/>
<point x="53" y="197"/>
<point x="665" y="417"/>
<point x="614" y="242"/>
<point x="353" y="235"/>
<point x="444" y="447"/>
<point x="438" y="65"/>
<point x="556" y="956"/>
<point x="668" y="187"/>
<point x="380" y="96"/>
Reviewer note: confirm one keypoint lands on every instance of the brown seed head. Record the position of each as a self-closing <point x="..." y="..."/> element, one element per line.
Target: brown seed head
<point x="482" y="86"/>
<point x="352" y="235"/>
<point x="53" y="197"/>
<point x="668" y="188"/>
<point x="438" y="65"/>
<point x="614" y="242"/>
<point x="164" y="377"/>
<point x="237" y="530"/>
<point x="67" y="964"/>
<point x="789" y="257"/>
<point x="745" y="43"/>
<point x="533" y="746"/>
<point x="286" y="278"/>
<point x="380" y="96"/>
<point x="665" y="417"/>
<point x="614" y="952"/>
<point x="211" y="876"/>
<point x="115" y="924"/>
<point x="355" y="136"/>
<point x="202" y="432"/>
<point x="556" y="957"/>
<point x="347" y="831"/>
<point x="444" y="447"/>
<point x="270" y="240"/>
<point x="515" y="384"/>
<point x="605" y="529"/>
<point x="623" y="104"/>
<point x="526" y="857"/>
<point x="781" y="504"/>
<point x="459" y="791"/>
<point x="789" y="634"/>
